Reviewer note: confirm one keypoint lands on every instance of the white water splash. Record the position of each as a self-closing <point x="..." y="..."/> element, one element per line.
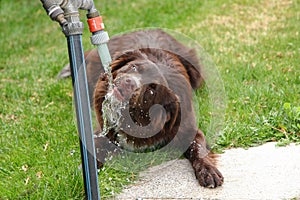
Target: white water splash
<point x="111" y="108"/>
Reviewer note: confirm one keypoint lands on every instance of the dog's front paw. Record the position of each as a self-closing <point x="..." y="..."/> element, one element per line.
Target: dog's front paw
<point x="208" y="175"/>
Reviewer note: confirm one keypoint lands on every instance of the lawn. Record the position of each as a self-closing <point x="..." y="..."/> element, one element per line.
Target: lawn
<point x="255" y="48"/>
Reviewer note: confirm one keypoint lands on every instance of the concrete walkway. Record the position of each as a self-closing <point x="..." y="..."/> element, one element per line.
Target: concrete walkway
<point x="263" y="172"/>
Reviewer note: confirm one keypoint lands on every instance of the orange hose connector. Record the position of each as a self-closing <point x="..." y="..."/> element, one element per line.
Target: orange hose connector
<point x="95" y="24"/>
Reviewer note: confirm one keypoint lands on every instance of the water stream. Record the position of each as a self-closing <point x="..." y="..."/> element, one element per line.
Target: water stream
<point x="111" y="108"/>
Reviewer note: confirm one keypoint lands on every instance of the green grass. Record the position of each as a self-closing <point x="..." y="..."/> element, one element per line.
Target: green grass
<point x="254" y="44"/>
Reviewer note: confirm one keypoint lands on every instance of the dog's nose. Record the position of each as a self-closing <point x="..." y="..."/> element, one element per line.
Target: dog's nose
<point x="128" y="83"/>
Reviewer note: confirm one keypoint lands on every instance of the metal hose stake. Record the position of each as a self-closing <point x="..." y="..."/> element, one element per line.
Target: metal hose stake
<point x="66" y="13"/>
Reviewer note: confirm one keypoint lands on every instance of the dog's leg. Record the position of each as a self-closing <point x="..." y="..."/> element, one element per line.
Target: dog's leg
<point x="203" y="163"/>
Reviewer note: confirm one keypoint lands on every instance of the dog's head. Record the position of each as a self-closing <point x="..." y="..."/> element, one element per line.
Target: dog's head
<point x="132" y="72"/>
<point x="142" y="83"/>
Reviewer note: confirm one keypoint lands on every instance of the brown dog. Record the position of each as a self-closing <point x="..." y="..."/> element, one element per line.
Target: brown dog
<point x="153" y="78"/>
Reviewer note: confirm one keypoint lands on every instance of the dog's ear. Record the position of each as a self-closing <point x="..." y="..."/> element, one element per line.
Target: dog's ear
<point x="167" y="113"/>
<point x="193" y="68"/>
<point x="121" y="59"/>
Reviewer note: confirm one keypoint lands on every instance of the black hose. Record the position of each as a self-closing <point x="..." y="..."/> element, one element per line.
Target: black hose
<point x="83" y="115"/>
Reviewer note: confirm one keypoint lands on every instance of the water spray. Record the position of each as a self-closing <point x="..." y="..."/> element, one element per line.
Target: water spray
<point x="65" y="12"/>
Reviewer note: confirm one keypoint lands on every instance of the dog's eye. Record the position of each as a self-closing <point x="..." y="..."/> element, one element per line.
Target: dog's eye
<point x="133" y="68"/>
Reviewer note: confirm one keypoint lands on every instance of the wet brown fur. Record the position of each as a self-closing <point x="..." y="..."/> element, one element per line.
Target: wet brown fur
<point x="181" y="69"/>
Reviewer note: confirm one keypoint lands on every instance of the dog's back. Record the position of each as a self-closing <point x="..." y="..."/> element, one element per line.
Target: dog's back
<point x="152" y="38"/>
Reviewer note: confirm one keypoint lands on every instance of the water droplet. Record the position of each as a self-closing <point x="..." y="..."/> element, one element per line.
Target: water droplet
<point x="73" y="151"/>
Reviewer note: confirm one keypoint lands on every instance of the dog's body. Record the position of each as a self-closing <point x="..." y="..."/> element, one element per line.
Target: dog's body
<point x="155" y="75"/>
